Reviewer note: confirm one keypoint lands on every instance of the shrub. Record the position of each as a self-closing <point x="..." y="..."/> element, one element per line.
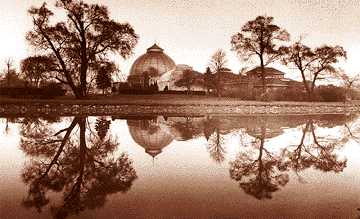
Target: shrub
<point x="330" y="93"/>
<point x="52" y="90"/>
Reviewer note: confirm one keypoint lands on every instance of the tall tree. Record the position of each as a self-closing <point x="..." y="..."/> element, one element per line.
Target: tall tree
<point x="217" y="62"/>
<point x="81" y="42"/>
<point x="260" y="38"/>
<point x="209" y="80"/>
<point x="34" y="69"/>
<point x="313" y="63"/>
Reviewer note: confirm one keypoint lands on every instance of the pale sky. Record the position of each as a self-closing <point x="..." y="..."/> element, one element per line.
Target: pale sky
<point x="191" y="31"/>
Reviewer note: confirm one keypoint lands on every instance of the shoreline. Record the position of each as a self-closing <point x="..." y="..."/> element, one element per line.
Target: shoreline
<point x="167" y="105"/>
<point x="162" y="99"/>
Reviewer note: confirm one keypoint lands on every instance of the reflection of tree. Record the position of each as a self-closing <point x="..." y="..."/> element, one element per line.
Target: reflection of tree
<point x="260" y="172"/>
<point x="259" y="175"/>
<point x="7" y="121"/>
<point x="352" y="128"/>
<point x="187" y="129"/>
<point x="85" y="173"/>
<point x="319" y="155"/>
<point x="36" y="139"/>
<point x="216" y="146"/>
<point x="215" y="140"/>
<point x="102" y="126"/>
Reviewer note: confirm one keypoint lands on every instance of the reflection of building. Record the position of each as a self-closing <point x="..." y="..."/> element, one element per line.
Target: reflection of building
<point x="153" y="135"/>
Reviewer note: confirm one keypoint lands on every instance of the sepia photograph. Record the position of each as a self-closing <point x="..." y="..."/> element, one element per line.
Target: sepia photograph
<point x="199" y="109"/>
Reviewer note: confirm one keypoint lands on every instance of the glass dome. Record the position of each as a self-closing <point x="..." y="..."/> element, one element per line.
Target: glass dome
<point x="153" y="59"/>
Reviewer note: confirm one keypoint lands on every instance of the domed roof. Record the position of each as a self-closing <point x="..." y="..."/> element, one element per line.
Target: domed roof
<point x="150" y="135"/>
<point x="154" y="58"/>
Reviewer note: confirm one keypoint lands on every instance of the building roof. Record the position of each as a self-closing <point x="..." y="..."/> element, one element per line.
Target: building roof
<point x="268" y="71"/>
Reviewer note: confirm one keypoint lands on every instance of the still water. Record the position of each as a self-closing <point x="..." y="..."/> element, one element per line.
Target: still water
<point x="183" y="167"/>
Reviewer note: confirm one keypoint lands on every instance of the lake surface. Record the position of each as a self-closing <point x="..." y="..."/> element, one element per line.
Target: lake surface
<point x="180" y="167"/>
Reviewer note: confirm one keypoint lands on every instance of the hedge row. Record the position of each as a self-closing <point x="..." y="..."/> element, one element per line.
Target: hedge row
<point x="183" y="92"/>
<point x="49" y="91"/>
<point x="150" y="91"/>
<point x="328" y="93"/>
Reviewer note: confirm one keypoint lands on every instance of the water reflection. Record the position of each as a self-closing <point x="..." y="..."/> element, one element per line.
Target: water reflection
<point x="261" y="172"/>
<point x="319" y="155"/>
<point x="152" y="134"/>
<point x="258" y="171"/>
<point x="78" y="164"/>
<point x="75" y="157"/>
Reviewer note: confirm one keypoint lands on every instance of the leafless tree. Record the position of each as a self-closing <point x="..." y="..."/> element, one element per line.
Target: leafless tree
<point x="217" y="62"/>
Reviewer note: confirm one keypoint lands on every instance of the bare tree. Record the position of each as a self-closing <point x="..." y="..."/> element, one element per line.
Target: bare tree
<point x="217" y="62"/>
<point x="259" y="38"/>
<point x="348" y="82"/>
<point x="9" y="71"/>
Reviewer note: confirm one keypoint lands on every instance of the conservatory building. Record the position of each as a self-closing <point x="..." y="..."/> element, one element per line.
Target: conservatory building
<point x="154" y="66"/>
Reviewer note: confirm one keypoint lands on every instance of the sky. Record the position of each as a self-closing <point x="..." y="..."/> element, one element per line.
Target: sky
<point x="190" y="31"/>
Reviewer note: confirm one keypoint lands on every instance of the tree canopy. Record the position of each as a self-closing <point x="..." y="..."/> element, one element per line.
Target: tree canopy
<point x="34" y="69"/>
<point x="81" y="42"/>
<point x="187" y="79"/>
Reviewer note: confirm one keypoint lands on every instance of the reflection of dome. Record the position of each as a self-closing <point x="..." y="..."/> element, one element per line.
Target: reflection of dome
<point x="155" y="59"/>
<point x="150" y="135"/>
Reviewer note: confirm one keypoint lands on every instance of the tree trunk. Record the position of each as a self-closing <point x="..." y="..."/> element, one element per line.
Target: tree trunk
<point x="308" y="91"/>
<point x="262" y="66"/>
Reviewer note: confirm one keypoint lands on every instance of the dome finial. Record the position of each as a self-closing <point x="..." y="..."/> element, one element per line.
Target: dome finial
<point x="155" y="48"/>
